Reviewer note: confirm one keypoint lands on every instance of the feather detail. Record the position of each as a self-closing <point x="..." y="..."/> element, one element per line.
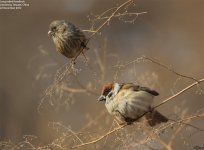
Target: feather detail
<point x="131" y="104"/>
<point x="136" y="88"/>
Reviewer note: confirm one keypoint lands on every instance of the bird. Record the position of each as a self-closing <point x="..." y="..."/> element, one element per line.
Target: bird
<point x="129" y="102"/>
<point x="68" y="39"/>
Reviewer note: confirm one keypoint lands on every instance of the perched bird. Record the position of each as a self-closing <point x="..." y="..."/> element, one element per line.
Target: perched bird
<point x="128" y="102"/>
<point x="68" y="39"/>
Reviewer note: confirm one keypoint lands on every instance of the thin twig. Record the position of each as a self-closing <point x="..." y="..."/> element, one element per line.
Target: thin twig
<point x="144" y="58"/>
<point x="168" y="68"/>
<point x="182" y="91"/>
<point x="100" y="138"/>
<point x="176" y="122"/>
<point x="109" y="18"/>
<point x="124" y="14"/>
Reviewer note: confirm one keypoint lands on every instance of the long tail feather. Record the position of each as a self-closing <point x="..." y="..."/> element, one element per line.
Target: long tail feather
<point x="154" y="118"/>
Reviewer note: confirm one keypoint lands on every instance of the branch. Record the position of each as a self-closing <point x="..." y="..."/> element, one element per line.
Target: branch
<point x="124" y="14"/>
<point x="105" y="22"/>
<point x="100" y="138"/>
<point x="111" y="16"/>
<point x="176" y="122"/>
<point x="168" y="68"/>
<point x="144" y="58"/>
<point x="182" y="91"/>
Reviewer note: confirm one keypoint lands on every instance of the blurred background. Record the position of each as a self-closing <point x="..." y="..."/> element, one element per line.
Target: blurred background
<point x="172" y="31"/>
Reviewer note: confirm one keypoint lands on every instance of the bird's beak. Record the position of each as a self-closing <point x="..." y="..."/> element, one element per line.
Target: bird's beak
<point x="102" y="98"/>
<point x="50" y="33"/>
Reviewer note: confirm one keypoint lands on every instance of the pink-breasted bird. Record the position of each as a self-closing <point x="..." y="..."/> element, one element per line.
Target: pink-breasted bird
<point x="128" y="102"/>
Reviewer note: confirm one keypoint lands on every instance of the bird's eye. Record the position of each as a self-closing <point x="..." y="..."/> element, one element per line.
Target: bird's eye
<point x="54" y="28"/>
<point x="105" y="93"/>
<point x="110" y="94"/>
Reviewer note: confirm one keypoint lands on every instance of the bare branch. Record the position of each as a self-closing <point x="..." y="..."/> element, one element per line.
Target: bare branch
<point x="173" y="123"/>
<point x="145" y="59"/>
<point x="100" y="138"/>
<point x="179" y="93"/>
<point x="109" y="18"/>
<point x="169" y="68"/>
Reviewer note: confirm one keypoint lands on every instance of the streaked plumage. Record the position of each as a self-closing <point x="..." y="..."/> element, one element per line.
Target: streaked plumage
<point x="68" y="39"/>
<point x="128" y="101"/>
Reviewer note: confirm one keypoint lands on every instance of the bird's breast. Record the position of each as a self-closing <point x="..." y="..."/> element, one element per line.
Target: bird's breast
<point x="130" y="103"/>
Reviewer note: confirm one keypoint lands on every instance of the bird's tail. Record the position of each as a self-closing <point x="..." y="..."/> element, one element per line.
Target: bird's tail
<point x="154" y="117"/>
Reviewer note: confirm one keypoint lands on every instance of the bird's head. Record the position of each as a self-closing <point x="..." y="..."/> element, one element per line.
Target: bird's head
<point x="109" y="90"/>
<point x="56" y="26"/>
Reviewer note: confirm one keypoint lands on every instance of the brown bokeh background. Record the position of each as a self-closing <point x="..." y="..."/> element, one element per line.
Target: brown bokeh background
<point x="172" y="31"/>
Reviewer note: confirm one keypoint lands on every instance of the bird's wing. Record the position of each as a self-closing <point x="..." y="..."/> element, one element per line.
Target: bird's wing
<point x="139" y="88"/>
<point x="74" y="31"/>
<point x="133" y="99"/>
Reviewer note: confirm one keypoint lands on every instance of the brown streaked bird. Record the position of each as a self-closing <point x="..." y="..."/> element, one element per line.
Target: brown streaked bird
<point x="128" y="102"/>
<point x="68" y="39"/>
